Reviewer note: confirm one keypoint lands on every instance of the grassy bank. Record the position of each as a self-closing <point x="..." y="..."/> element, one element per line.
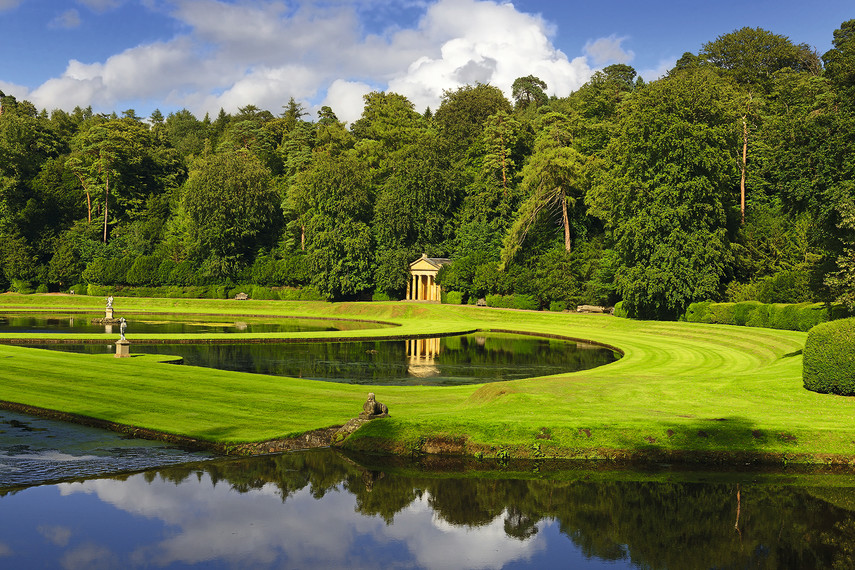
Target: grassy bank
<point x="681" y="391"/>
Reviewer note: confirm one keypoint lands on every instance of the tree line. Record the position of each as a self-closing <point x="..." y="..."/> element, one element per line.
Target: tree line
<point x="730" y="178"/>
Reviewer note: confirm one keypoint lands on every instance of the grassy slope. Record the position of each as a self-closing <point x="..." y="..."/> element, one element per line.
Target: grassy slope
<point x="680" y="386"/>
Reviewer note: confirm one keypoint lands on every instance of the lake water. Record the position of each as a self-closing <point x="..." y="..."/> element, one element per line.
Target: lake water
<point x="321" y="509"/>
<point x="463" y="359"/>
<point x="172" y="324"/>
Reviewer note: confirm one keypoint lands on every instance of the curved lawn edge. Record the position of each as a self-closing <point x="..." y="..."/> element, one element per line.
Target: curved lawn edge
<point x="681" y="392"/>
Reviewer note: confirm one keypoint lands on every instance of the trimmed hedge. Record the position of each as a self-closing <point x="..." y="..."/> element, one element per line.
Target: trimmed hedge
<point x="800" y="317"/>
<point x="206" y="292"/>
<point x="621" y="312"/>
<point x="512" y="302"/>
<point x="452" y="298"/>
<point x="829" y="358"/>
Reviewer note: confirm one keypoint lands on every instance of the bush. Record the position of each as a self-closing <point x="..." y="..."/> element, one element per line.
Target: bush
<point x="620" y="311"/>
<point x="558" y="306"/>
<point x="380" y="296"/>
<point x="786" y="287"/>
<point x="800" y="317"/>
<point x="527" y="302"/>
<point x="79" y="289"/>
<point x="452" y="298"/>
<point x="42" y="288"/>
<point x="829" y="358"/>
<point x="144" y="271"/>
<point x="512" y="302"/>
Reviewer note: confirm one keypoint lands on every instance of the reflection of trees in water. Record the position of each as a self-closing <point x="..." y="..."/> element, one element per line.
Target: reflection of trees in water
<point x="470" y="358"/>
<point x="464" y="359"/>
<point x="655" y="525"/>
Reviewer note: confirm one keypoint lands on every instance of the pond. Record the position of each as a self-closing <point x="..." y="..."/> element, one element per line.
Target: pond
<point x="453" y="360"/>
<point x="321" y="509"/>
<point x="173" y="324"/>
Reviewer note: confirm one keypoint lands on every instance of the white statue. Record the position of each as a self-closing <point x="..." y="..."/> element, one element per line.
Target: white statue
<point x="123" y="325"/>
<point x="110" y="302"/>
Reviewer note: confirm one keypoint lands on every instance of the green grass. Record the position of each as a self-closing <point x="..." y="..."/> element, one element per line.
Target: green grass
<point x="680" y="388"/>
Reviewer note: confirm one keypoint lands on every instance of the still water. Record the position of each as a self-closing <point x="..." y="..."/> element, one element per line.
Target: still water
<point x="320" y="509"/>
<point x="464" y="359"/>
<point x="163" y="324"/>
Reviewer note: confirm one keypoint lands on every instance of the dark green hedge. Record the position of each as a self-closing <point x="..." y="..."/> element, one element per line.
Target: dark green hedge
<point x="829" y="358"/>
<point x="512" y="302"/>
<point x="801" y="317"/>
<point x="207" y="292"/>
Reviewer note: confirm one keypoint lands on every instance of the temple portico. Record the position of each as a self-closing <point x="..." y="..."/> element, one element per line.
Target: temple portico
<point x="422" y="285"/>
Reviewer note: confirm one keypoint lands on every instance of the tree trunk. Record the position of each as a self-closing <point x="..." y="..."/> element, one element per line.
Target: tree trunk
<point x="743" y="165"/>
<point x="566" y="221"/>
<point x="106" y="202"/>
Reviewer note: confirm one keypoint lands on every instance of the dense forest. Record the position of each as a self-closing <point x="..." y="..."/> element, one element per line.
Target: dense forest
<point x="731" y="178"/>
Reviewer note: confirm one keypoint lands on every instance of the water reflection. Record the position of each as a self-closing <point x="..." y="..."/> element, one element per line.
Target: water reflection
<point x="319" y="509"/>
<point x="464" y="359"/>
<point x="173" y="324"/>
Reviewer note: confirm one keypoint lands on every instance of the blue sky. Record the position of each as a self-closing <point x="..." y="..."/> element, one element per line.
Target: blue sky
<point x="204" y="55"/>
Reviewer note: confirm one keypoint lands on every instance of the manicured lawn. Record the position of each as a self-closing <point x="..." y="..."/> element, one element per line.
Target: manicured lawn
<point x="680" y="387"/>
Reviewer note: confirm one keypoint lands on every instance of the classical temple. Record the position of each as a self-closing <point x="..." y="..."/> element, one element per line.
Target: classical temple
<point x="422" y="285"/>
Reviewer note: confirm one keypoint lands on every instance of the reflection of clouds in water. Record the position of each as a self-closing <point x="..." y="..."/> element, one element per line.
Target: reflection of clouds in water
<point x="257" y="529"/>
<point x="90" y="557"/>
<point x="55" y="456"/>
<point x="58" y="535"/>
<point x="435" y="543"/>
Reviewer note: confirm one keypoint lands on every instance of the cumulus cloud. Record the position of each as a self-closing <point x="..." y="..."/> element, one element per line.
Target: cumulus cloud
<point x="9" y="4"/>
<point x="608" y="50"/>
<point x="58" y="535"/>
<point x="264" y="52"/>
<point x="664" y="65"/>
<point x="101" y="5"/>
<point x="67" y="20"/>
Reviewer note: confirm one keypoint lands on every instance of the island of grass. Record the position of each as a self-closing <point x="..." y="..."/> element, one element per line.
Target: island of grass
<point x="681" y="391"/>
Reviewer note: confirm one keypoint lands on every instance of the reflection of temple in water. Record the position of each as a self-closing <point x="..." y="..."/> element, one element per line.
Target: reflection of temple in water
<point x="421" y="353"/>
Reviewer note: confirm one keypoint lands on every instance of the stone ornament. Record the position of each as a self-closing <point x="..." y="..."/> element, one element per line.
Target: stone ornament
<point x="373" y="409"/>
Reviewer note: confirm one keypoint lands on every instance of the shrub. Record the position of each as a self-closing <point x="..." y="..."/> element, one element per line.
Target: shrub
<point x="829" y="358"/>
<point x="695" y="313"/>
<point x="620" y="311"/>
<point x="800" y="317"/>
<point x="452" y="298"/>
<point x="144" y="271"/>
<point x="42" y="288"/>
<point x="79" y="289"/>
<point x="380" y="296"/>
<point x="558" y="306"/>
<point x="527" y="302"/>
<point x="20" y="286"/>
<point x="262" y="293"/>
<point x="786" y="287"/>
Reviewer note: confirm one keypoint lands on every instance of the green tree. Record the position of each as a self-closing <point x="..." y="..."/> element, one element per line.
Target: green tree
<point x="529" y="91"/>
<point x="666" y="191"/>
<point x="552" y="181"/>
<point x="231" y="210"/>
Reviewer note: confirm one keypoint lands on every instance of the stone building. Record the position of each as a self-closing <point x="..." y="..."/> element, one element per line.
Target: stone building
<point x="422" y="285"/>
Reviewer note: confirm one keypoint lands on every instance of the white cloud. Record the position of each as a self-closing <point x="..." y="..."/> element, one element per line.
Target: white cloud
<point x="264" y="52"/>
<point x="608" y="50"/>
<point x="211" y="523"/>
<point x="100" y="5"/>
<point x="58" y="535"/>
<point x="67" y="20"/>
<point x="659" y="71"/>
<point x="17" y="91"/>
<point x="5" y="550"/>
<point x="345" y="98"/>
<point x="9" y="4"/>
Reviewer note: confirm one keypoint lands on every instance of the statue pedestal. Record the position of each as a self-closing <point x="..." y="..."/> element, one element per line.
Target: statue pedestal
<point x="123" y="349"/>
<point x="108" y="313"/>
